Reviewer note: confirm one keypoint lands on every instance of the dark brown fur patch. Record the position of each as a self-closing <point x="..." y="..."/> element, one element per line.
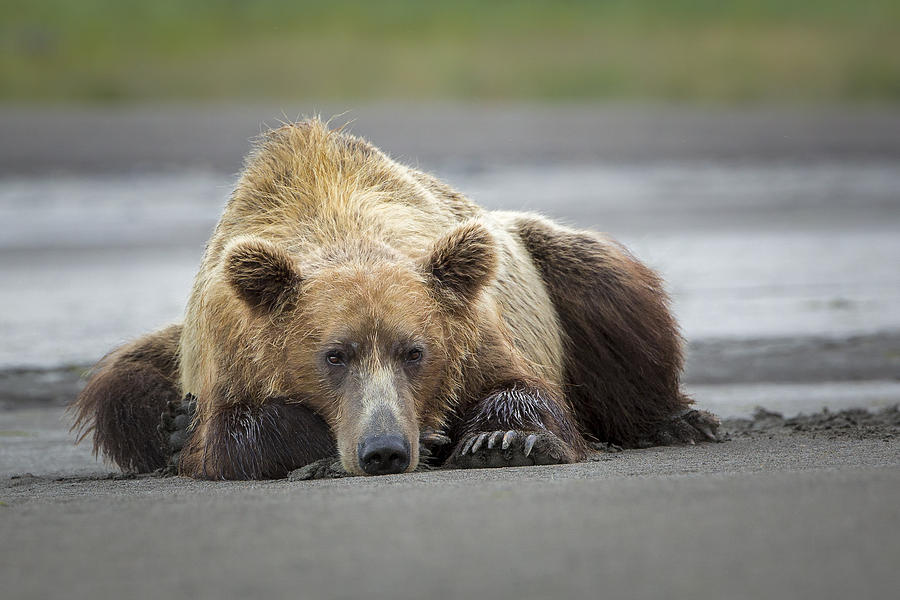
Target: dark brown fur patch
<point x="267" y="441"/>
<point x="623" y="348"/>
<point x="124" y="398"/>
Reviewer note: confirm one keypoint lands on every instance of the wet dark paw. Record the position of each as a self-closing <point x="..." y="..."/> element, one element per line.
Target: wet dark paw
<point x="509" y="448"/>
<point x="688" y="427"/>
<point x="175" y="428"/>
<point x="324" y="468"/>
<point x="431" y="446"/>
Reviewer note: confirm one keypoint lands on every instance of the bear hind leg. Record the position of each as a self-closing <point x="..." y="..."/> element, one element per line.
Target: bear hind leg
<point x="623" y="348"/>
<point x="124" y="398"/>
<point x="687" y="426"/>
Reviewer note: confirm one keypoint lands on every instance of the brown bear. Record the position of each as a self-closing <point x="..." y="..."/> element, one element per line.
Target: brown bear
<point x="350" y="305"/>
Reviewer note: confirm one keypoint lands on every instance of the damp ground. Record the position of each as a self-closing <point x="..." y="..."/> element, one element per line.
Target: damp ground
<point x="787" y="507"/>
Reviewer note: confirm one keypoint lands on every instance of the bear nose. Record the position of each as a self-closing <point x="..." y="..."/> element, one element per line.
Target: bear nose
<point x="384" y="454"/>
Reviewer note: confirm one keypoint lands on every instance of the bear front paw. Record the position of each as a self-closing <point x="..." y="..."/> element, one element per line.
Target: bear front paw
<point x="175" y="428"/>
<point x="509" y="448"/>
<point x="324" y="468"/>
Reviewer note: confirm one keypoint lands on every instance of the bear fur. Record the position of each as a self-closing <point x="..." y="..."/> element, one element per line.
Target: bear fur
<point x="347" y="304"/>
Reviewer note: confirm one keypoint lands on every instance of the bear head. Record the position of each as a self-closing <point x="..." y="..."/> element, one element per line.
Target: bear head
<point x="370" y="338"/>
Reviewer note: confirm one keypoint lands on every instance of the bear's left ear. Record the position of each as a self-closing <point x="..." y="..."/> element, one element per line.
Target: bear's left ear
<point x="260" y="272"/>
<point x="462" y="262"/>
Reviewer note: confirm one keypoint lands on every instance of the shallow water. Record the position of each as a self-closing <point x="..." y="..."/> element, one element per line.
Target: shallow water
<point x="749" y="249"/>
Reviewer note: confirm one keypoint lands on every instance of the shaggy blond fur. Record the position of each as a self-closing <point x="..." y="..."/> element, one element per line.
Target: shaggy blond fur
<point x="325" y="236"/>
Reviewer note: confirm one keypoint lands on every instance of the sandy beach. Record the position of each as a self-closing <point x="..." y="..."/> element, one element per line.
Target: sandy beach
<point x="780" y="510"/>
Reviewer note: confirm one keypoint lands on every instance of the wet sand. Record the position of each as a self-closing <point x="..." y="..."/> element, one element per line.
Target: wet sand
<point x="122" y="139"/>
<point x="802" y="508"/>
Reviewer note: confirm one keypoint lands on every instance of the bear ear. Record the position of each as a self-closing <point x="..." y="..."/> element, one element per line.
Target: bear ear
<point x="462" y="262"/>
<point x="261" y="273"/>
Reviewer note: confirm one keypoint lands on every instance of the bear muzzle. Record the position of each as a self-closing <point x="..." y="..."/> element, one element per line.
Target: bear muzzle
<point x="384" y="454"/>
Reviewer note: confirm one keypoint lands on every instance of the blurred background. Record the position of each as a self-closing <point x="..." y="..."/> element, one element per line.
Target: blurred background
<point x="746" y="149"/>
<point x="219" y="50"/>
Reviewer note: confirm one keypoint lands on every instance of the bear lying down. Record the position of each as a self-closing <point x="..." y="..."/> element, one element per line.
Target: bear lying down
<point x="350" y="306"/>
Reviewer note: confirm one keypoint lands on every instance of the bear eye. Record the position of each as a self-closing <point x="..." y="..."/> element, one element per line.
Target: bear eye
<point x="335" y="358"/>
<point x="414" y="355"/>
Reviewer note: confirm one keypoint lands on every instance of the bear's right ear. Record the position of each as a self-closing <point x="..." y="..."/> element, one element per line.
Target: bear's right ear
<point x="261" y="273"/>
<point x="463" y="262"/>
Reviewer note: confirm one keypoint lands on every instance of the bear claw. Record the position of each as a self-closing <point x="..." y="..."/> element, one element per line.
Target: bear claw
<point x="478" y="442"/>
<point x="508" y="448"/>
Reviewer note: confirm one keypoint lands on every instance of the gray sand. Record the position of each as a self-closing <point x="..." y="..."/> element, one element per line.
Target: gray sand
<point x="786" y="508"/>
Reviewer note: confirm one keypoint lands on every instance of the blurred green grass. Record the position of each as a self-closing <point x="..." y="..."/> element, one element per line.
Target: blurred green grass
<point x="739" y="51"/>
